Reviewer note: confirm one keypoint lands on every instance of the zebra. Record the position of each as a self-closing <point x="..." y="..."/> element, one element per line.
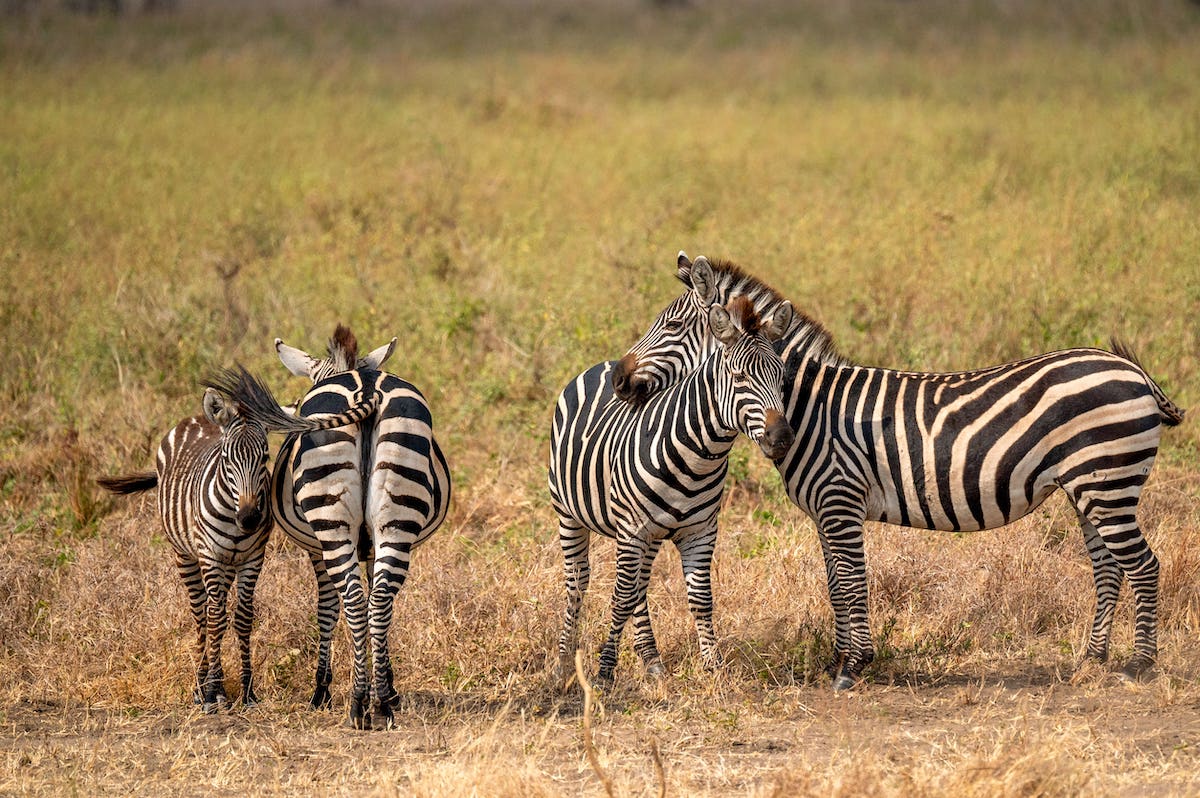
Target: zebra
<point x="363" y="495"/>
<point x="211" y="471"/>
<point x="953" y="452"/>
<point x="656" y="472"/>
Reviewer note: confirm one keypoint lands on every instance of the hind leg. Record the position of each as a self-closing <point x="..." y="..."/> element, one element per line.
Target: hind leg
<point x="1112" y="511"/>
<point x="328" y="607"/>
<point x="1107" y="577"/>
<point x="575" y="541"/>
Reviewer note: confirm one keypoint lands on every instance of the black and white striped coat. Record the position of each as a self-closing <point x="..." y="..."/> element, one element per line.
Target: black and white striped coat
<point x="954" y="452"/>
<point x="362" y="495"/>
<point x="211" y="474"/>
<point x="656" y="472"/>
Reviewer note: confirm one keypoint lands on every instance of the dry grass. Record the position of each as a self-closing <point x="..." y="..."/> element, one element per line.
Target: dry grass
<point x="944" y="185"/>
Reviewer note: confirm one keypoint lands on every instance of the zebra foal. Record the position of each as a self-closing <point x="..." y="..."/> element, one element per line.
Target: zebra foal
<point x="954" y="452"/>
<point x="211" y="474"/>
<point x="656" y="472"/>
<point x="366" y="495"/>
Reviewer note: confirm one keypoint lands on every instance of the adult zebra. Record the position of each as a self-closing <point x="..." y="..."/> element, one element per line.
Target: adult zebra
<point x="955" y="452"/>
<point x="211" y="472"/>
<point x="381" y="488"/>
<point x="653" y="473"/>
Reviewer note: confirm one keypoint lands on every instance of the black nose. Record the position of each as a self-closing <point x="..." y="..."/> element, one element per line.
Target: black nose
<point x="777" y="437"/>
<point x="626" y="385"/>
<point x="249" y="518"/>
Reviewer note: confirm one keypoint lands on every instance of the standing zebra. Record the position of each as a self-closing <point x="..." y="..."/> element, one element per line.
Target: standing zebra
<point x="211" y="472"/>
<point x="954" y="452"/>
<point x="656" y="472"/>
<point x="382" y="487"/>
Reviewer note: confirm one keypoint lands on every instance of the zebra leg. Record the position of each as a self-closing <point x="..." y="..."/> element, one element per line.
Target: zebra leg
<point x="1107" y="577"/>
<point x="328" y="607"/>
<point x="390" y="569"/>
<point x="695" y="555"/>
<point x="349" y="581"/>
<point x="243" y="623"/>
<point x="1113" y="513"/>
<point x="643" y="633"/>
<point x="577" y="572"/>
<point x="216" y="588"/>
<point x="841" y="619"/>
<point x="631" y="558"/>
<point x="189" y="572"/>
<point x="849" y="579"/>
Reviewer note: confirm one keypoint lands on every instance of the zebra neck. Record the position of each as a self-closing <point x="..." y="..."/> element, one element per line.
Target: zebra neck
<point x="689" y="414"/>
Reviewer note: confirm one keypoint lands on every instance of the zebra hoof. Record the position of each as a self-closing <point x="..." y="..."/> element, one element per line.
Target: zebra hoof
<point x="210" y="707"/>
<point x="655" y="670"/>
<point x="321" y="699"/>
<point x="1136" y="670"/>
<point x="844" y="682"/>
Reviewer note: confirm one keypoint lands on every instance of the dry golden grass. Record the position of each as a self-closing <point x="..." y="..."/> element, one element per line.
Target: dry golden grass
<point x="504" y="187"/>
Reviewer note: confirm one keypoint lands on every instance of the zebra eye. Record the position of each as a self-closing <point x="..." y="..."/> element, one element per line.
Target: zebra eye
<point x="673" y="325"/>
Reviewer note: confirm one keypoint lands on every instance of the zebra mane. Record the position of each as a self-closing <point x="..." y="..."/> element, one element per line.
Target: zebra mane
<point x="805" y="334"/>
<point x="741" y="309"/>
<point x="343" y="349"/>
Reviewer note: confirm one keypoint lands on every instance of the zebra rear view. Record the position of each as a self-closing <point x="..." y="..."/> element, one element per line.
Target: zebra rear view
<point x="212" y="476"/>
<point x="366" y="496"/>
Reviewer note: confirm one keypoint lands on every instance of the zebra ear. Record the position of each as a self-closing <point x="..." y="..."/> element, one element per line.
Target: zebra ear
<point x="296" y="360"/>
<point x="722" y="325"/>
<point x="217" y="408"/>
<point x="779" y="323"/>
<point x="703" y="282"/>
<point x="376" y="358"/>
<point x="683" y="267"/>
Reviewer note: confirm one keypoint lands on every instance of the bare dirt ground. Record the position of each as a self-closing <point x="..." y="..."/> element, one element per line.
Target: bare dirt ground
<point x="1012" y="728"/>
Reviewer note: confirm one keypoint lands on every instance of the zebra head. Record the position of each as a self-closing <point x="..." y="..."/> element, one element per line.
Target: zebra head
<point x="343" y="356"/>
<point x="749" y="384"/>
<point x="680" y="337"/>
<point x="242" y="459"/>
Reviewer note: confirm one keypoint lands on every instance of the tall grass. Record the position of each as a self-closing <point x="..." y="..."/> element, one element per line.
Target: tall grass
<point x="504" y="186"/>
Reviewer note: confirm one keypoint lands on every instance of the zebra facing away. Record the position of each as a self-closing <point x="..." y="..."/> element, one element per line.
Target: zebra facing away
<point x="954" y="452"/>
<point x="656" y="472"/>
<point x="211" y="472"/>
<point x="365" y="495"/>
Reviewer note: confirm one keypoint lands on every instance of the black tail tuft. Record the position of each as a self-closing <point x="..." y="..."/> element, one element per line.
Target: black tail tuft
<point x="1171" y="413"/>
<point x="129" y="483"/>
<point x="254" y="398"/>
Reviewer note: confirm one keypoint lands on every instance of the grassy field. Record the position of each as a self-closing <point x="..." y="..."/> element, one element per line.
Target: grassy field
<point x="504" y="187"/>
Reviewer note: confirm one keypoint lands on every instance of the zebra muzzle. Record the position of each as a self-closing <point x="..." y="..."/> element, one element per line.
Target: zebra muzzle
<point x="249" y="514"/>
<point x="777" y="436"/>
<point x="628" y="385"/>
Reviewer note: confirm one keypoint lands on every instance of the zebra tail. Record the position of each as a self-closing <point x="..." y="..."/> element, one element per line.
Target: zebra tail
<point x="258" y="404"/>
<point x="1172" y="414"/>
<point x="129" y="483"/>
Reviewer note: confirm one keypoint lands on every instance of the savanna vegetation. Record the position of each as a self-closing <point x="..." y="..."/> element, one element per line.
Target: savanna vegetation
<point x="503" y="186"/>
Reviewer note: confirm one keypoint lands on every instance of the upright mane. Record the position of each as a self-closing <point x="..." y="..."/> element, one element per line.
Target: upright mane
<point x="343" y="349"/>
<point x="805" y="335"/>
